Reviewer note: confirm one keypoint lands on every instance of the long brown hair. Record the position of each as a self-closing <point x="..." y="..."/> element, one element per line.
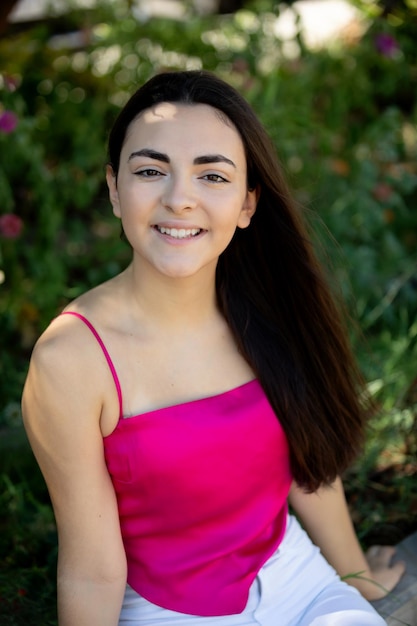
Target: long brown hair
<point x="274" y="295"/>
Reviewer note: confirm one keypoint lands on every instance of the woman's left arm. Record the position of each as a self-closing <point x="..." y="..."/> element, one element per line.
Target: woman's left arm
<point x="325" y="516"/>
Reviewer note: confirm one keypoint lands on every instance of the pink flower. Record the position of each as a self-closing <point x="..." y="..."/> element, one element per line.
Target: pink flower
<point x="386" y="44"/>
<point x="8" y="122"/>
<point x="10" y="226"/>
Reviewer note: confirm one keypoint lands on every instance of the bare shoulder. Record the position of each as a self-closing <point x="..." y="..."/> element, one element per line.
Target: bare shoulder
<point x="62" y="350"/>
<point x="68" y="344"/>
<point x="58" y="343"/>
<point x="68" y="376"/>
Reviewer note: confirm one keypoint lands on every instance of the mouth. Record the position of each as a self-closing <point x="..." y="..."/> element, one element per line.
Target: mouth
<point x="179" y="233"/>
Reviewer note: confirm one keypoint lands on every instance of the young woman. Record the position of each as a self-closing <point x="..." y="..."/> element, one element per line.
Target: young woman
<point x="176" y="409"/>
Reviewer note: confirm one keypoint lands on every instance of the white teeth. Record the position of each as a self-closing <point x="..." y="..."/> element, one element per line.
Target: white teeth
<point x="180" y="233"/>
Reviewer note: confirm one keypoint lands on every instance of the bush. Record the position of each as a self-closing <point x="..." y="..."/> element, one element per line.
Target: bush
<point x="344" y="123"/>
<point x="343" y="120"/>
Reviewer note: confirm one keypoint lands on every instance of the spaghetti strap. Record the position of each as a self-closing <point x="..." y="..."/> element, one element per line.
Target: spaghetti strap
<point x="105" y="352"/>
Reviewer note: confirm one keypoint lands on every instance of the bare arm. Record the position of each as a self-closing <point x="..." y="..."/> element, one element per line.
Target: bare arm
<point x="61" y="410"/>
<point x="325" y="516"/>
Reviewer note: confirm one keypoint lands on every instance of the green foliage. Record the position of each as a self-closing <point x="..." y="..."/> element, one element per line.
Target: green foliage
<point x="348" y="142"/>
<point x="343" y="120"/>
<point x="27" y="540"/>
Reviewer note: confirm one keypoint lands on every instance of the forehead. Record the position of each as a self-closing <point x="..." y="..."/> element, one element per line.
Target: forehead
<point x="195" y="124"/>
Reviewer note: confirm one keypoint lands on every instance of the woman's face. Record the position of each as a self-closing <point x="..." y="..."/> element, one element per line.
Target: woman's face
<point x="181" y="188"/>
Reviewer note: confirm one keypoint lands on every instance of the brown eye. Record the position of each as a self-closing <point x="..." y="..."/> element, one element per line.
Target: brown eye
<point x="148" y="173"/>
<point x="215" y="178"/>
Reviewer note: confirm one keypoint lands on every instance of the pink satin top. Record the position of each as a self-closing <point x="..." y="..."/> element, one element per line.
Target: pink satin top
<point x="202" y="494"/>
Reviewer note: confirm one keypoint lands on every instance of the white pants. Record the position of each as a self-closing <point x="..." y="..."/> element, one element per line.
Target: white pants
<point x="295" y="587"/>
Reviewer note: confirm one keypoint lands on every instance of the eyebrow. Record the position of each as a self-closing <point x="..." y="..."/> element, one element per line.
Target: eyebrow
<point x="201" y="160"/>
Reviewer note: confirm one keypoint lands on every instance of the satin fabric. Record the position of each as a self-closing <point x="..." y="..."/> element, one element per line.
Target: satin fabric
<point x="201" y="490"/>
<point x="295" y="587"/>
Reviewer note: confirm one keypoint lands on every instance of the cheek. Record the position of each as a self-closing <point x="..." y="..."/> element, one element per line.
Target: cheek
<point x="230" y="213"/>
<point x="133" y="199"/>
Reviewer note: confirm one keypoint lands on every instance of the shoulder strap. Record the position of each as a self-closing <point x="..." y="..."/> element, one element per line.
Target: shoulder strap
<point x="105" y="352"/>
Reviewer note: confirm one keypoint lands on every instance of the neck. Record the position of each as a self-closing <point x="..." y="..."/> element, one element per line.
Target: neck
<point x="173" y="302"/>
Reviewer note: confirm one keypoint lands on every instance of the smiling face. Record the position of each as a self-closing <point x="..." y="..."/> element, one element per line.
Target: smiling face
<point x="181" y="189"/>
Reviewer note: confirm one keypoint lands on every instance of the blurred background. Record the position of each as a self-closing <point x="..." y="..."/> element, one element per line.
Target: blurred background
<point x="335" y="83"/>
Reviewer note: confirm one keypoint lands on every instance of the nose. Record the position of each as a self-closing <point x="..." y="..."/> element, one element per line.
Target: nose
<point x="179" y="194"/>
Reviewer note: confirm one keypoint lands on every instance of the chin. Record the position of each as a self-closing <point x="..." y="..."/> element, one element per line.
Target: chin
<point x="187" y="272"/>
